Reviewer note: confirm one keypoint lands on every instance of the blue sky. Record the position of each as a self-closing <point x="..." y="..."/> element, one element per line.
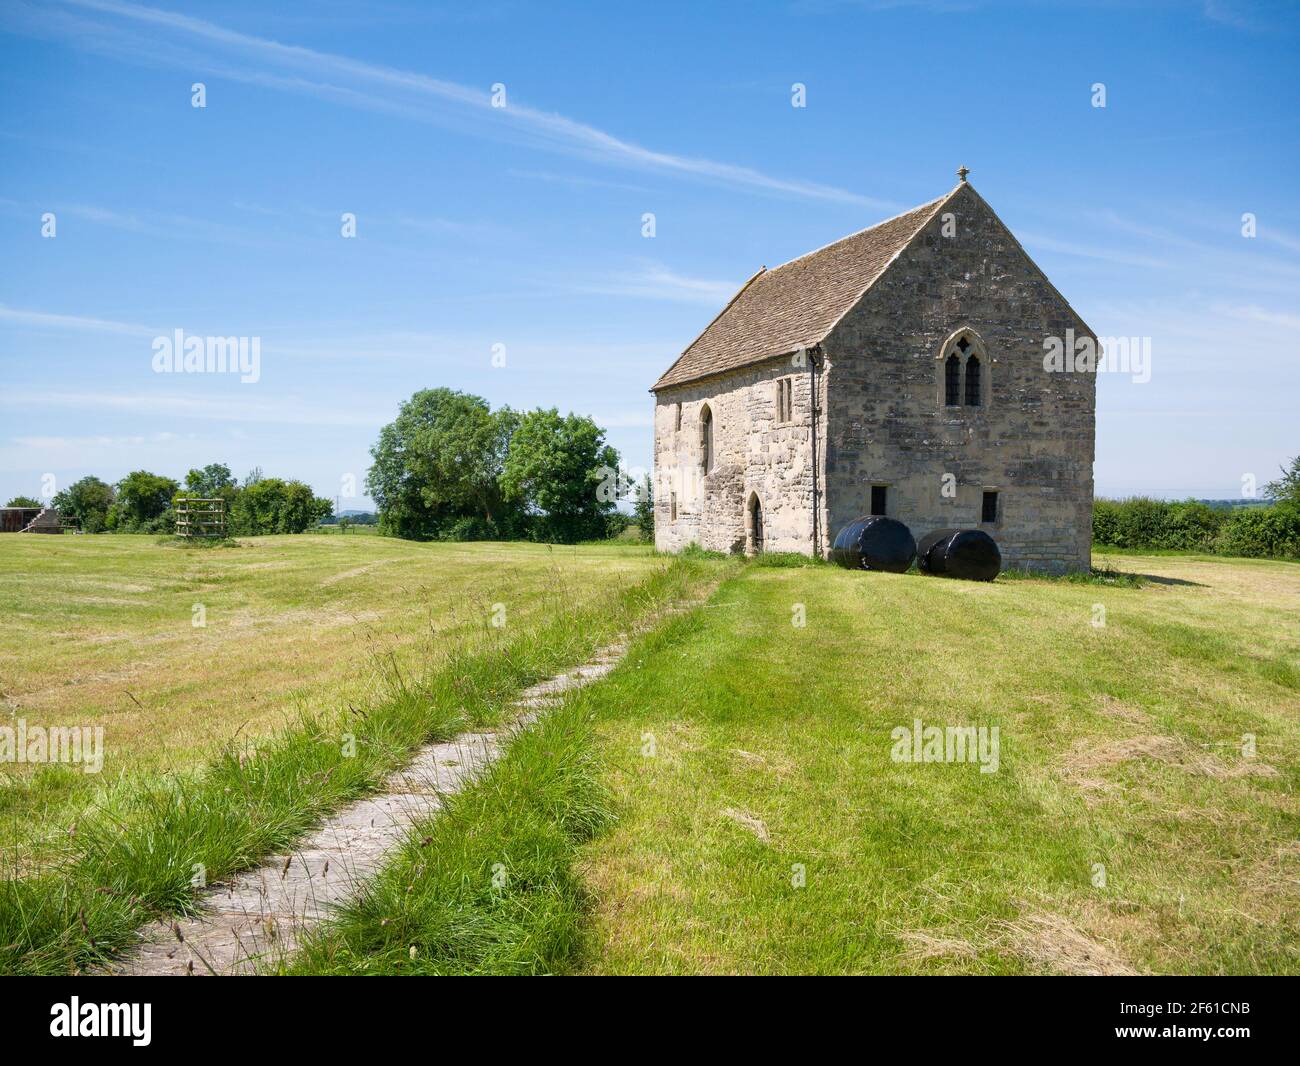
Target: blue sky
<point x="522" y="226"/>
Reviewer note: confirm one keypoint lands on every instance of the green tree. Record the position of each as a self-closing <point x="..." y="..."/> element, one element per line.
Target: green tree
<point x="212" y="481"/>
<point x="439" y="463"/>
<point x="1287" y="487"/>
<point x="23" y="501"/>
<point x="643" y="511"/>
<point x="87" y="500"/>
<point x="273" y="505"/>
<point x="143" y="499"/>
<point x="559" y="468"/>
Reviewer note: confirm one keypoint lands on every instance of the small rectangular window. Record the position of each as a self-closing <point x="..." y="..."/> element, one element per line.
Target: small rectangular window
<point x="989" y="508"/>
<point x="784" y="400"/>
<point x="878" y="495"/>
<point x="677" y="416"/>
<point x="672" y="505"/>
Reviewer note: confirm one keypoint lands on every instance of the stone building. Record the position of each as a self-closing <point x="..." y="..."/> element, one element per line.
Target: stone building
<point x="898" y="371"/>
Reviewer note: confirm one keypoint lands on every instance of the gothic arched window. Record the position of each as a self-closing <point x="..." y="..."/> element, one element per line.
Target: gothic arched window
<point x="962" y="370"/>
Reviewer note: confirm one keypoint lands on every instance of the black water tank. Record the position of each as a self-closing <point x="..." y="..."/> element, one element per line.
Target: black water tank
<point x="874" y="542"/>
<point x="966" y="553"/>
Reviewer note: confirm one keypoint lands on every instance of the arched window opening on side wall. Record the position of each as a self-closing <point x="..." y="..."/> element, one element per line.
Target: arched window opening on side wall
<point x="973" y="381"/>
<point x="755" y="524"/>
<point x="706" y="439"/>
<point x="952" y="380"/>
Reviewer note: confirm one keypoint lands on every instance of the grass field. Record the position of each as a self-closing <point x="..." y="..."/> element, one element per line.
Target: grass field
<point x="101" y="631"/>
<point x="764" y="826"/>
<point x="728" y="800"/>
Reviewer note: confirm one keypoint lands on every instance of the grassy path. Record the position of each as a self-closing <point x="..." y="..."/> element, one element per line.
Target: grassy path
<point x="764" y="827"/>
<point x="261" y="917"/>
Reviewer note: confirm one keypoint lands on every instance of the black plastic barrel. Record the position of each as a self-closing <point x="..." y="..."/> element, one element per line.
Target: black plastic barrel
<point x="874" y="542"/>
<point x="965" y="553"/>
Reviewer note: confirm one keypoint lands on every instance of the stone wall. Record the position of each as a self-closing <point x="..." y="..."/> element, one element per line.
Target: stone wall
<point x="1032" y="439"/>
<point x="754" y="452"/>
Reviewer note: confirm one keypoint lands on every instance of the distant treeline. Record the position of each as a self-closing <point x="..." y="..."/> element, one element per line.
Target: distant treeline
<point x="352" y="518"/>
<point x="1266" y="530"/>
<point x="144" y="502"/>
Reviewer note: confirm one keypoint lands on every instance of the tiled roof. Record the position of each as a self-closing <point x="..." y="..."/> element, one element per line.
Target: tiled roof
<point x="796" y="305"/>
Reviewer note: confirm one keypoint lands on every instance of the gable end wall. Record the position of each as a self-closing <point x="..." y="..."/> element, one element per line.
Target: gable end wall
<point x="1033" y="443"/>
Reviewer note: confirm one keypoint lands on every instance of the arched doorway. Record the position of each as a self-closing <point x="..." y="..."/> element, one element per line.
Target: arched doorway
<point x="755" y="524"/>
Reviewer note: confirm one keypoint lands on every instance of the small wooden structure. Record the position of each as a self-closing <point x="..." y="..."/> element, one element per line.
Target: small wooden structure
<point x="200" y="517"/>
<point x="30" y="520"/>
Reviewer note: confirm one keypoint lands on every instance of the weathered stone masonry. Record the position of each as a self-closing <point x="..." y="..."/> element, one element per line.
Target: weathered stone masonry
<point x="755" y="453"/>
<point x="882" y="309"/>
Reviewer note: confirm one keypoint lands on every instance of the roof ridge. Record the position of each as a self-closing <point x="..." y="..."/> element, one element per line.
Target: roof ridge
<point x="860" y="232"/>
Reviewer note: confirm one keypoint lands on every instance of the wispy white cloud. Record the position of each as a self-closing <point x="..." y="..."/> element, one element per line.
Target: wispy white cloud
<point x="1281" y="239"/>
<point x="657" y="282"/>
<point x="46" y="320"/>
<point x="576" y="181"/>
<point x="223" y="407"/>
<point x="1262" y="315"/>
<point x="157" y="223"/>
<point x="626" y="420"/>
<point x="83" y="444"/>
<point x="25" y="455"/>
<point x="359" y="84"/>
<point x="1119" y="255"/>
<point x="150" y="222"/>
<point x="1240" y="15"/>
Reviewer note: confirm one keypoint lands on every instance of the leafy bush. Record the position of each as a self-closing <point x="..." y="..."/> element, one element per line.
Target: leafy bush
<point x="1141" y="523"/>
<point x="1262" y="532"/>
<point x="1191" y="526"/>
<point x="273" y="505"/>
<point x="471" y="527"/>
<point x="87" y="500"/>
<point x="644" y="509"/>
<point x="143" y="504"/>
<point x="1105" y="522"/>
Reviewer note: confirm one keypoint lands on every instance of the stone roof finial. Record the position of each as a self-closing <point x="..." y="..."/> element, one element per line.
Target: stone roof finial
<point x="962" y="172"/>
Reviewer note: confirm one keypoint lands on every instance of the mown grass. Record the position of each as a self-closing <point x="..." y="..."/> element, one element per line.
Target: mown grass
<point x="136" y="855"/>
<point x="174" y="649"/>
<point x="1097" y="575"/>
<point x="101" y="631"/>
<point x="763" y="826"/>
